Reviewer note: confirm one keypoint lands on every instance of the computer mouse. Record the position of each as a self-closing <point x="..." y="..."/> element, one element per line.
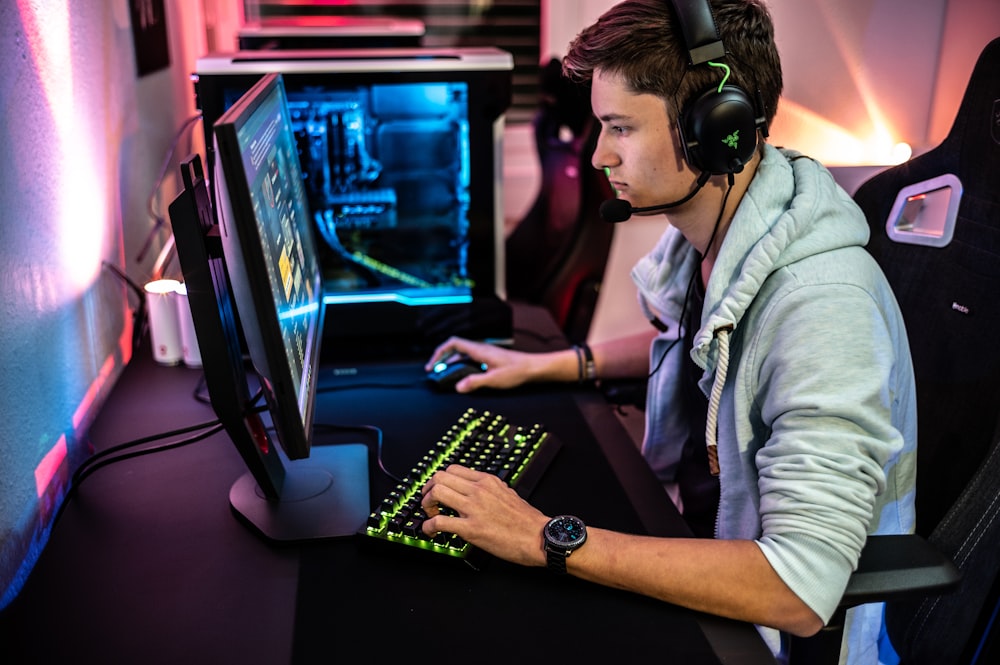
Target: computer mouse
<point x="446" y="373"/>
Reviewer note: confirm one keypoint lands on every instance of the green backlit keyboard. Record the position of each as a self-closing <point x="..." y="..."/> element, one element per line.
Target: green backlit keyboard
<point x="480" y="440"/>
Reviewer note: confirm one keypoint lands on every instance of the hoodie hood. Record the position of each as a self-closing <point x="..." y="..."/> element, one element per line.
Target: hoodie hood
<point x="767" y="233"/>
<point x="792" y="210"/>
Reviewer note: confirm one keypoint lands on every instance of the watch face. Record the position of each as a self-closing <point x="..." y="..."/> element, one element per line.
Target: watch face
<point x="566" y="531"/>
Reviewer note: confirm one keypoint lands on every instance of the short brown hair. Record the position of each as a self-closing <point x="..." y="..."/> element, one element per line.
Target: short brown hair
<point x="641" y="41"/>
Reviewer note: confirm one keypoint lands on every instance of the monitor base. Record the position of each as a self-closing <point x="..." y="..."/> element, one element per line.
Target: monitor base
<point x="324" y="496"/>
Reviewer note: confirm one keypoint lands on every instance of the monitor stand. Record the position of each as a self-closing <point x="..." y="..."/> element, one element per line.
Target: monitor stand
<point x="323" y="496"/>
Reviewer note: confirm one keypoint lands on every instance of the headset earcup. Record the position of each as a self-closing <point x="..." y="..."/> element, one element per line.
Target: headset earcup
<point x="719" y="130"/>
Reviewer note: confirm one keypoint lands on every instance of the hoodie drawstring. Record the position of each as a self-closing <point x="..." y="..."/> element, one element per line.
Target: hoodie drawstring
<point x="712" y="420"/>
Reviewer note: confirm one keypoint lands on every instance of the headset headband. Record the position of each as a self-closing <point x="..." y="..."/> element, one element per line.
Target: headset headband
<point x="701" y="34"/>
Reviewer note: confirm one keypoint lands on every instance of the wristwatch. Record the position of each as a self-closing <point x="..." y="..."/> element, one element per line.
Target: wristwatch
<point x="563" y="535"/>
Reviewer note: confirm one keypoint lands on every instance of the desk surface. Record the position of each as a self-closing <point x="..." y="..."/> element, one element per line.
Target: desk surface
<point x="148" y="564"/>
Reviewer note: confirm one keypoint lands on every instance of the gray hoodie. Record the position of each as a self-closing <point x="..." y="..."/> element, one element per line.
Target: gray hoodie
<point x="809" y="379"/>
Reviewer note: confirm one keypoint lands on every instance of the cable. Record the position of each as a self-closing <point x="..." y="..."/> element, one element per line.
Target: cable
<point x="378" y="443"/>
<point x="151" y="202"/>
<point x="99" y="460"/>
<point x="680" y="322"/>
<point x="148" y="451"/>
<point x="139" y="313"/>
<point x="726" y="73"/>
<point x="103" y="458"/>
<point x="109" y="455"/>
<point x="687" y="294"/>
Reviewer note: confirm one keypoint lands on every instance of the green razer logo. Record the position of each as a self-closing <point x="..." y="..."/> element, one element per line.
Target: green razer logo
<point x="733" y="140"/>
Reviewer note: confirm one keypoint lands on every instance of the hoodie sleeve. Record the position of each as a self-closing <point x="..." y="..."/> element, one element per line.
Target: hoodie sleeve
<point x="827" y="400"/>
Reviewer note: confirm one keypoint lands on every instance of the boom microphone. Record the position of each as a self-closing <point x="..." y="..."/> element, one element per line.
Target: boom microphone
<point x="618" y="210"/>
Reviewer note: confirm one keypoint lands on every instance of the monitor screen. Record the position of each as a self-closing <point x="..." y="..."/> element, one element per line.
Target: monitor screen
<point x="400" y="153"/>
<point x="253" y="280"/>
<point x="268" y="244"/>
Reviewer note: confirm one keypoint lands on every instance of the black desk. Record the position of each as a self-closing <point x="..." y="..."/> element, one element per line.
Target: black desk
<point x="148" y="564"/>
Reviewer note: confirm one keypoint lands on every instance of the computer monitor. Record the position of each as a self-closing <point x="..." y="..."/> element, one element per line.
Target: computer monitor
<point x="401" y="157"/>
<point x="253" y="281"/>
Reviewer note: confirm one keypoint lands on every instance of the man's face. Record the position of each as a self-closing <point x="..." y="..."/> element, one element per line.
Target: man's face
<point x="638" y="144"/>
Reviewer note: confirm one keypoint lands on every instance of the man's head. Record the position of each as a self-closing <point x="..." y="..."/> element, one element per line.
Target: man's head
<point x="641" y="42"/>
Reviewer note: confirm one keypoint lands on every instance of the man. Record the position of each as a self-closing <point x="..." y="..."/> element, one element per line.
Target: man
<point x="781" y="403"/>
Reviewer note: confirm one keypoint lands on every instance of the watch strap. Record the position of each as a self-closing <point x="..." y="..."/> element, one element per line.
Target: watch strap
<point x="555" y="559"/>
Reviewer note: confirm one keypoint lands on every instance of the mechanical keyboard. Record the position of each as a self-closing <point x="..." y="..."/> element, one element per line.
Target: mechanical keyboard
<point x="485" y="441"/>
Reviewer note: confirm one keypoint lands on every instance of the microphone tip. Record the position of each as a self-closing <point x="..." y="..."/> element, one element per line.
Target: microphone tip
<point x="615" y="210"/>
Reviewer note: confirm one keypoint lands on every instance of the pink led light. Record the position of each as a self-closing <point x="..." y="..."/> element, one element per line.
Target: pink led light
<point x="49" y="466"/>
<point x="94" y="391"/>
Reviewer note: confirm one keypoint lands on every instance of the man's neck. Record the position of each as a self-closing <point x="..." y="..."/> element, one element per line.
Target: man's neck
<point x="711" y="226"/>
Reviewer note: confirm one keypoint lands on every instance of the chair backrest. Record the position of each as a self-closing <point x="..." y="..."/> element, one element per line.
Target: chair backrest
<point x="557" y="253"/>
<point x="936" y="233"/>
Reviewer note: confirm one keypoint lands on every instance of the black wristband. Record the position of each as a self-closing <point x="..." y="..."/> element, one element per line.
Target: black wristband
<point x="579" y="363"/>
<point x="589" y="369"/>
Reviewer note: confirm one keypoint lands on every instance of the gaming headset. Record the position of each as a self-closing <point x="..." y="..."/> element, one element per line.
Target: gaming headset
<point x="718" y="127"/>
